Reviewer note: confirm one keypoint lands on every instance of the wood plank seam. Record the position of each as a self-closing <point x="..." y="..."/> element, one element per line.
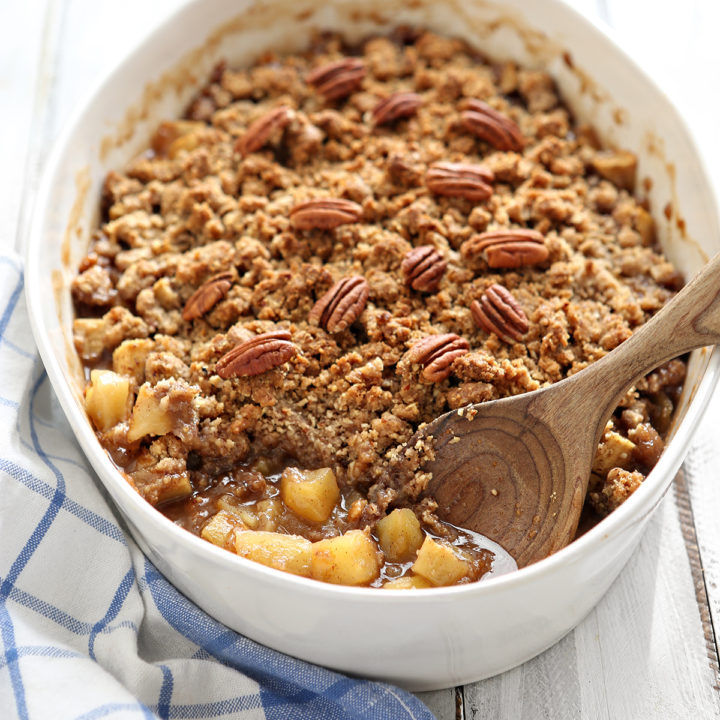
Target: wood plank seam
<point x="687" y="526"/>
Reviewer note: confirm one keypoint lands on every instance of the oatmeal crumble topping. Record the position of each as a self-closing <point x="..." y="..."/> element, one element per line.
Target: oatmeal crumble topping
<point x="335" y="247"/>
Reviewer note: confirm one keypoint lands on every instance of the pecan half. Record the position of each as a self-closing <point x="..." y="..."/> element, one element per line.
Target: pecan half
<point x="324" y="214"/>
<point x="256" y="355"/>
<point x="423" y="268"/>
<point x="341" y="305"/>
<point x="261" y="129"/>
<point x="207" y="295"/>
<point x="512" y="248"/>
<point x="492" y="126"/>
<point x="460" y="180"/>
<point x="337" y="79"/>
<point x="500" y="313"/>
<point x="436" y="353"/>
<point x="399" y="104"/>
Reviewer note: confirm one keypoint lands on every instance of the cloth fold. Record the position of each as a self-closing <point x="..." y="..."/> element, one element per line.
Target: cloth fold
<point x="88" y="627"/>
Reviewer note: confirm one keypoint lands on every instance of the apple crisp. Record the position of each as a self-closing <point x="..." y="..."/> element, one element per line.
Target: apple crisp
<point x="330" y="249"/>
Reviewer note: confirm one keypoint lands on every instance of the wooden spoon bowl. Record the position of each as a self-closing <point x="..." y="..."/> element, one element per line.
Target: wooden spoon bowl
<point x="516" y="470"/>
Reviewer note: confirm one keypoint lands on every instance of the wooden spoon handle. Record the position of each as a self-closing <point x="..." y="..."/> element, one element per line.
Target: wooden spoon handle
<point x="691" y="320"/>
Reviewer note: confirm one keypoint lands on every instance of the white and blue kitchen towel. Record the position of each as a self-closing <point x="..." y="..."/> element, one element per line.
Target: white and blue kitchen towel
<point x="88" y="627"/>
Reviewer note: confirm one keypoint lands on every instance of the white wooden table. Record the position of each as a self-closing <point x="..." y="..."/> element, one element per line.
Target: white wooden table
<point x="649" y="649"/>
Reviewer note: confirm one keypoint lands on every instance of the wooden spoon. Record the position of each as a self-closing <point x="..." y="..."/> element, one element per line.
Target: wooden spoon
<point x="516" y="470"/>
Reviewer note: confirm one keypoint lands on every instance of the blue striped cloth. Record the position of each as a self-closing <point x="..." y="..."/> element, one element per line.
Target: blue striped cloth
<point x="88" y="627"/>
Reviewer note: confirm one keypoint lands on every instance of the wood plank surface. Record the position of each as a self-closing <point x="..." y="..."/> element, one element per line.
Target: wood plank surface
<point x="649" y="649"/>
<point x="639" y="654"/>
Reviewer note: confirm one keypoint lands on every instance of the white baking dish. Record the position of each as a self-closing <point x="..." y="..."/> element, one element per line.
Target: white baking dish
<point x="420" y="639"/>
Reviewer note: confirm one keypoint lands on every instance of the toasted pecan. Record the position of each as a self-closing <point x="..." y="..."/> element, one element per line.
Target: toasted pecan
<point x="397" y="105"/>
<point x="261" y="129"/>
<point x="423" y="267"/>
<point x="436" y="353"/>
<point x="341" y="305"/>
<point x="492" y="126"/>
<point x="499" y="312"/>
<point x="460" y="180"/>
<point x="257" y="355"/>
<point x="508" y="248"/>
<point x="207" y="295"/>
<point x="324" y="214"/>
<point x="338" y="79"/>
